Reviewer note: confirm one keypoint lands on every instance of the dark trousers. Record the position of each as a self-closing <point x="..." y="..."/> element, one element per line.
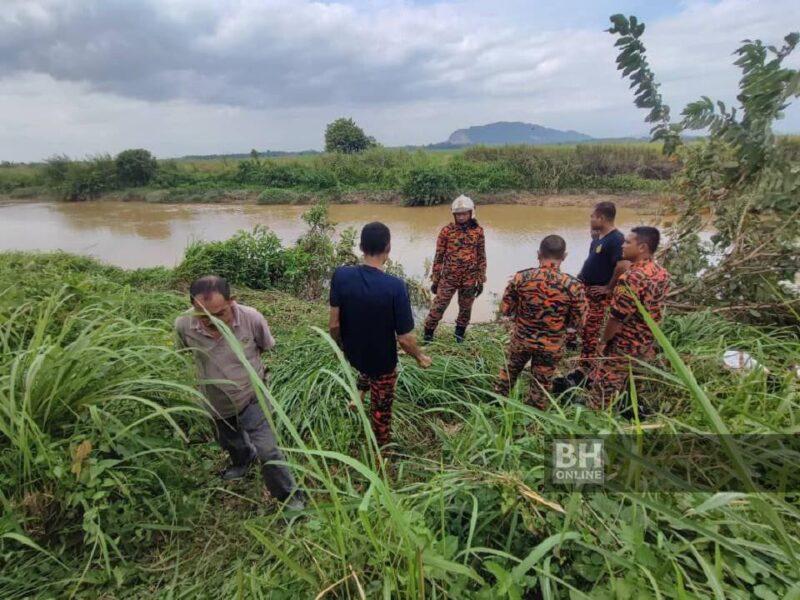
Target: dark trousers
<point x="248" y="436"/>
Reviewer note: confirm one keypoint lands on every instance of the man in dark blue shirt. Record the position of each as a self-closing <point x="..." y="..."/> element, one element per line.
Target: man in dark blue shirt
<point x="370" y="314"/>
<point x="599" y="274"/>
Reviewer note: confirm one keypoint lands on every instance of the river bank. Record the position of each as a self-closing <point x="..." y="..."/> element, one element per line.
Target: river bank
<point x="646" y="201"/>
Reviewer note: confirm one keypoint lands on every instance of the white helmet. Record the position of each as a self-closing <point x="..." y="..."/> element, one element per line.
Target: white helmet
<point x="463" y="204"/>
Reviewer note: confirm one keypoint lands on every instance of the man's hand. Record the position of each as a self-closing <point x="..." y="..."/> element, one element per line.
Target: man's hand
<point x="334" y="326"/>
<point x="408" y="342"/>
<point x="601" y="290"/>
<point x="613" y="327"/>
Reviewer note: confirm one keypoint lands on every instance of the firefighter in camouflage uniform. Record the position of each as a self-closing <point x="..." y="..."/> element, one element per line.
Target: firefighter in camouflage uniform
<point x="543" y="302"/>
<point x="459" y="267"/>
<point x="626" y="337"/>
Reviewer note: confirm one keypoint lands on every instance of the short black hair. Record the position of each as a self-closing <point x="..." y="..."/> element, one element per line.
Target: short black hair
<point x="375" y="238"/>
<point x="647" y="235"/>
<point x="210" y="284"/>
<point x="606" y="209"/>
<point x="553" y="246"/>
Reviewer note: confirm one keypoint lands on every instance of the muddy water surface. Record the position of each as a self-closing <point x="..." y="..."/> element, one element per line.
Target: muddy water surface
<point x="131" y="234"/>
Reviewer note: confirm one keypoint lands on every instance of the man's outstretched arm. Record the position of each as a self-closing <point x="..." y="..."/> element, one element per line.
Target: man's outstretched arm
<point x="408" y="342"/>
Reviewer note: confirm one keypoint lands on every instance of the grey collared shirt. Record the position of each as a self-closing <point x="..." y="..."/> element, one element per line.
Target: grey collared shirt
<point x="216" y="360"/>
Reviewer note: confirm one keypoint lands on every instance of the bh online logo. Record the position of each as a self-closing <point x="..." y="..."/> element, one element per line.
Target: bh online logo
<point x="578" y="462"/>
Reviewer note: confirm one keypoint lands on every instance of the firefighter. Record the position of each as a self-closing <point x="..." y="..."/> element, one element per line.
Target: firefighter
<point x="458" y="267"/>
<point x="626" y="337"/>
<point x="543" y="302"/>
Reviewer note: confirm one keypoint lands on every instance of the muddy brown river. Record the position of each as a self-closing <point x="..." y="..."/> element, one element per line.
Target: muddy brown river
<point x="133" y="234"/>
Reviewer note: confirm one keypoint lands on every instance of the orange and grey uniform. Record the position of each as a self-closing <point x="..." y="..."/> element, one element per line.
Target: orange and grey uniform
<point x="458" y="266"/>
<point x="649" y="282"/>
<point x="543" y="303"/>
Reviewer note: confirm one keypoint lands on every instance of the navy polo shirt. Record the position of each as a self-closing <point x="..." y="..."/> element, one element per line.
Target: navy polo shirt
<point x="373" y="309"/>
<point x="604" y="254"/>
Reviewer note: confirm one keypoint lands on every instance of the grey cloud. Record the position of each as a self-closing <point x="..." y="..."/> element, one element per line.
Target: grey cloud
<point x="273" y="54"/>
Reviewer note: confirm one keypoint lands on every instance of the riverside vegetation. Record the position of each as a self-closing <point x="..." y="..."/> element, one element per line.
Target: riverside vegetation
<point x="375" y="174"/>
<point x="108" y="481"/>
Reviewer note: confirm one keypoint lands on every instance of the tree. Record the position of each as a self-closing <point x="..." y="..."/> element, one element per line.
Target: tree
<point x="135" y="167"/>
<point x="343" y="135"/>
<point x="745" y="180"/>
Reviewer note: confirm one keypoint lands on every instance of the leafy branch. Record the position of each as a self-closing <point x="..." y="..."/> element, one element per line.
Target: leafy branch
<point x="740" y="175"/>
<point x="632" y="61"/>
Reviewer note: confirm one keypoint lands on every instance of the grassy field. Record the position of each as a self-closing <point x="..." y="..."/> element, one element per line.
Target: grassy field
<point x="109" y="473"/>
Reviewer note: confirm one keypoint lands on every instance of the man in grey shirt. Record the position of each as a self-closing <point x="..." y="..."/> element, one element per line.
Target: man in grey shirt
<point x="241" y="427"/>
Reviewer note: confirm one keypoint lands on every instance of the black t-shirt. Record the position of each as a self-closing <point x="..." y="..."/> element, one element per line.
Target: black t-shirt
<point x="373" y="309"/>
<point x="604" y="254"/>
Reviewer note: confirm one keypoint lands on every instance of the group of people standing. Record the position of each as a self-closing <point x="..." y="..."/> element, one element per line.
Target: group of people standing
<point x="370" y="315"/>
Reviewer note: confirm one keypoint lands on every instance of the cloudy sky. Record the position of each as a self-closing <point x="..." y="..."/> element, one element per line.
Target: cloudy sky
<point x="204" y="76"/>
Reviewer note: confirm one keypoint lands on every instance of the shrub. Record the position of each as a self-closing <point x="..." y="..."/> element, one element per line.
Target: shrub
<point x="310" y="262"/>
<point x="55" y="169"/>
<point x="484" y="177"/>
<point x="249" y="258"/>
<point x="375" y="167"/>
<point x="135" y="167"/>
<point x="89" y="179"/>
<point x="427" y="186"/>
<point x="273" y="174"/>
<point x="171" y="174"/>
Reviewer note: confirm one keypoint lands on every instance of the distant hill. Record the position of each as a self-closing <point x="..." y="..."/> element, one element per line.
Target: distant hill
<point x="505" y="132"/>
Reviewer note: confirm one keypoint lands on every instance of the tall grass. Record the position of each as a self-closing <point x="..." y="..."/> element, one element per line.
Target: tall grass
<point x="93" y="409"/>
<point x="461" y="511"/>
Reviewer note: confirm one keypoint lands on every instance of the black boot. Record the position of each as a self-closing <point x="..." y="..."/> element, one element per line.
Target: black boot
<point x="237" y="471"/>
<point x="460" y="333"/>
<point x="427" y="336"/>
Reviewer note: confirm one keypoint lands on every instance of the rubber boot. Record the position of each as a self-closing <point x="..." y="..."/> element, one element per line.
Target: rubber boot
<point x="460" y="333"/>
<point x="427" y="336"/>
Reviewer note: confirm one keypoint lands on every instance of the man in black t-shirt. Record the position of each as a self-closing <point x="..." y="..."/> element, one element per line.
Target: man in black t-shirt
<point x="599" y="275"/>
<point x="370" y="314"/>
